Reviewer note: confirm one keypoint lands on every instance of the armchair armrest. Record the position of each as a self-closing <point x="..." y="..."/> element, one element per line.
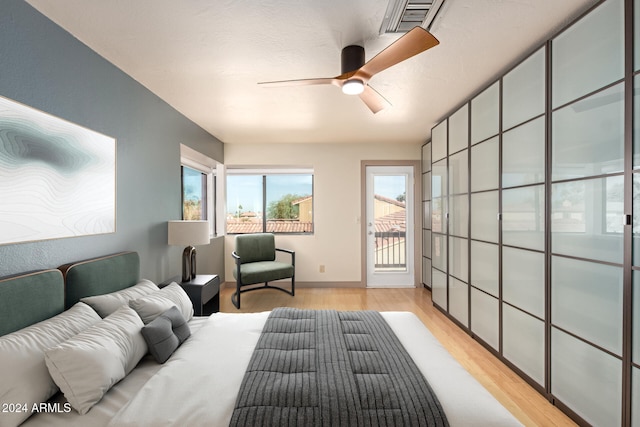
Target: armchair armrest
<point x="238" y="264"/>
<point x="290" y="252"/>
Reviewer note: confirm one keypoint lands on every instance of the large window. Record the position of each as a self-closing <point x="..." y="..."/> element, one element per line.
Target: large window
<point x="269" y="201"/>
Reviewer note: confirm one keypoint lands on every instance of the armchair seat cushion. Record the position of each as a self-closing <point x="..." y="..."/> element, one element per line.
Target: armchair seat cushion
<point x="264" y="271"/>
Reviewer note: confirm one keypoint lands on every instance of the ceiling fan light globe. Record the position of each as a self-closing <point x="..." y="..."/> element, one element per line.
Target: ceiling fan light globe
<point x="353" y="87"/>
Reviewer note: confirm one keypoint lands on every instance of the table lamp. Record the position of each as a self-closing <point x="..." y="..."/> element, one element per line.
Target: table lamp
<point x="188" y="233"/>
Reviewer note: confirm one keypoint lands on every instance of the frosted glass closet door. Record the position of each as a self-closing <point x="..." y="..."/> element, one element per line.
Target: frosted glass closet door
<point x="426" y="158"/>
<point x="459" y="129"/>
<point x="484" y="216"/>
<point x="426" y="243"/>
<point x="426" y="214"/>
<point x="459" y="215"/>
<point x="484" y="317"/>
<point x="588" y="136"/>
<point x="523" y="217"/>
<point x="484" y="166"/>
<point x="598" y="35"/>
<point x="523" y="280"/>
<point x="523" y="91"/>
<point x="586" y="218"/>
<point x="439" y="288"/>
<point x="438" y="210"/>
<point x="484" y="267"/>
<point x="586" y="299"/>
<point x="439" y="142"/>
<point x="459" y="300"/>
<point x="636" y="318"/>
<point x="587" y="141"/>
<point x="439" y="252"/>
<point x="426" y="186"/>
<point x="523" y="154"/>
<point x="459" y="258"/>
<point x="635" y="379"/>
<point x="484" y="114"/>
<point x="459" y="173"/>
<point x="439" y="197"/>
<point x="590" y="384"/>
<point x="523" y="342"/>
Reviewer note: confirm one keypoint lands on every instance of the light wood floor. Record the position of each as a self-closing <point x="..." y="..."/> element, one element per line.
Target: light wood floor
<point x="531" y="408"/>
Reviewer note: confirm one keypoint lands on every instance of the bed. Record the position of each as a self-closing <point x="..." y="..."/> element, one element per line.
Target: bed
<point x="200" y="381"/>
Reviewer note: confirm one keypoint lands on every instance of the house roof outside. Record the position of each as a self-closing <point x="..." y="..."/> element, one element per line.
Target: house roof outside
<point x="393" y="222"/>
<point x="240" y="226"/>
<point x="389" y="200"/>
<point x="301" y="199"/>
<point x="251" y="222"/>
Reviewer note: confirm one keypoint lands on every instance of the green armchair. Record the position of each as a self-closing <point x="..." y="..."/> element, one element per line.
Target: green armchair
<point x="255" y="257"/>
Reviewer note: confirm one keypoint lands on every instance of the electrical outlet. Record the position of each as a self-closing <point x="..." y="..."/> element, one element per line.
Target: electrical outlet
<point x="321" y="268"/>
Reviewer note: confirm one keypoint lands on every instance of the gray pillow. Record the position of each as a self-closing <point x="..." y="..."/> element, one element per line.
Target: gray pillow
<point x="165" y="333"/>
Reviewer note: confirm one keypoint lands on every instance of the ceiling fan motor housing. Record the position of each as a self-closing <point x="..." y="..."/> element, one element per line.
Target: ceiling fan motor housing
<point x="352" y="58"/>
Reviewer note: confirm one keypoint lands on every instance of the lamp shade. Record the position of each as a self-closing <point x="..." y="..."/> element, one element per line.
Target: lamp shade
<point x="188" y="233"/>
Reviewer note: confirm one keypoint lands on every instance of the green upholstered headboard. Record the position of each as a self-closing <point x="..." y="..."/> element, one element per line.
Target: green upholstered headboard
<point x="99" y="276"/>
<point x="29" y="298"/>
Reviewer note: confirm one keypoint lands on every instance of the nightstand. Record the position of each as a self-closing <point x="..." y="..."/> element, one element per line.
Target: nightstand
<point x="204" y="292"/>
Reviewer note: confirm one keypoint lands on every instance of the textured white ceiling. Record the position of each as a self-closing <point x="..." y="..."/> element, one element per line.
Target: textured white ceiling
<point x="206" y="57"/>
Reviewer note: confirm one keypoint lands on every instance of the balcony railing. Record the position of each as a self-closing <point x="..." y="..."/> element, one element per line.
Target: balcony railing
<point x="391" y="250"/>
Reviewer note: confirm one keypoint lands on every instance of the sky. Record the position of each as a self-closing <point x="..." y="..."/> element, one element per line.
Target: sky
<point x="390" y="186"/>
<point x="246" y="190"/>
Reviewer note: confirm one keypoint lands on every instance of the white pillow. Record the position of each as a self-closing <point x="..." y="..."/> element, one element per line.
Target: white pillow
<point x="87" y="365"/>
<point x="153" y="305"/>
<point x="106" y="304"/>
<point x="25" y="378"/>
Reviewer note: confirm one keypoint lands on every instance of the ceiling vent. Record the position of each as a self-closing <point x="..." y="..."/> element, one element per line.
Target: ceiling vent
<point x="403" y="15"/>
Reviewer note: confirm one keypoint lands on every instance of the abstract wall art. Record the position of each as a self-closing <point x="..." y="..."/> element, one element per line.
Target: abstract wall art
<point x="57" y="179"/>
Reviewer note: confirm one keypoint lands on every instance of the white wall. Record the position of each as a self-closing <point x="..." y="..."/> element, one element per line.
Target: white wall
<point x="336" y="242"/>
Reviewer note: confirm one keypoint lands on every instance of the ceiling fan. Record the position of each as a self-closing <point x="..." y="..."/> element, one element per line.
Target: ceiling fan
<point x="355" y="76"/>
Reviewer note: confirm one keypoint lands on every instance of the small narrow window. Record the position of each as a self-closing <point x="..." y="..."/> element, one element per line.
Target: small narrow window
<point x="198" y="184"/>
<point x="194" y="194"/>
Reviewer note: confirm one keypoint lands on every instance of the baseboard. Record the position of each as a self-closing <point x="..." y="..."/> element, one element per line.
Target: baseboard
<point x="310" y="284"/>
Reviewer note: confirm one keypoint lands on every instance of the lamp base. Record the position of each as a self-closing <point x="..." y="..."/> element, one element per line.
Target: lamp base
<point x="188" y="264"/>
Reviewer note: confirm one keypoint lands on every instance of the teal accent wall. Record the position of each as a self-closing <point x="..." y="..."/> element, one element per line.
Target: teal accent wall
<point x="43" y="66"/>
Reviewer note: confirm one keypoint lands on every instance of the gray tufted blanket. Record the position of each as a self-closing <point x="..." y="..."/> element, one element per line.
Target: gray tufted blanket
<point x="330" y="368"/>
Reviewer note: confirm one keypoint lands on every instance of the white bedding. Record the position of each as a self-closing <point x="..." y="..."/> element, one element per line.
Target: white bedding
<point x="199" y="383"/>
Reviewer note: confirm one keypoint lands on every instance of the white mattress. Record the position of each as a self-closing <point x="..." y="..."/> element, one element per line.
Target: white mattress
<point x="199" y="383"/>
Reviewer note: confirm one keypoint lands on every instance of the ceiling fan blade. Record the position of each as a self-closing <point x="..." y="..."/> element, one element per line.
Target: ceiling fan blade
<point x="373" y="99"/>
<point x="412" y="43"/>
<point x="300" y="82"/>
